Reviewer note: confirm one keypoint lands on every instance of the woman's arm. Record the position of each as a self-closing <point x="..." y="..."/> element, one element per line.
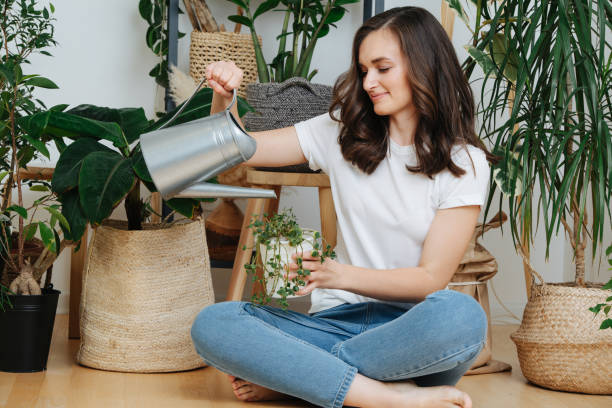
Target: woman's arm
<point x="443" y="249"/>
<point x="275" y="148"/>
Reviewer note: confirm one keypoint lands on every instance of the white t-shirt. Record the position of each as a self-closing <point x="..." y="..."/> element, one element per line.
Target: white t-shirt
<point x="383" y="217"/>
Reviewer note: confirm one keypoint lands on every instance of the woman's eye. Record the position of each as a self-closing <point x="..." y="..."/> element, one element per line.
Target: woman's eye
<point x="383" y="69"/>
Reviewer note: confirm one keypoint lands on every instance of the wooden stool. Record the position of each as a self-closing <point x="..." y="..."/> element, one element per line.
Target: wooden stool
<point x="259" y="206"/>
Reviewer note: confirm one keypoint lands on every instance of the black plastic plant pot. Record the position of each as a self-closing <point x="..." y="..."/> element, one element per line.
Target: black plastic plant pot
<point x="25" y="332"/>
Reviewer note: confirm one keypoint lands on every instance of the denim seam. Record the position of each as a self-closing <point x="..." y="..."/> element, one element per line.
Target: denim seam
<point x="344" y="386"/>
<point x="368" y="317"/>
<point x="328" y="329"/>
<point x="401" y="376"/>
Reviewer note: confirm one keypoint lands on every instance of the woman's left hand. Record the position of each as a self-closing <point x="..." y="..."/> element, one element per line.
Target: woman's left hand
<point x="326" y="275"/>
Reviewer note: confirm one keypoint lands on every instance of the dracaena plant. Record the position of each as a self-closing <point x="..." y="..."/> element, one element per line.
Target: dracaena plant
<point x="25" y="29"/>
<point x="104" y="166"/>
<point x="545" y="109"/>
<point x="310" y="20"/>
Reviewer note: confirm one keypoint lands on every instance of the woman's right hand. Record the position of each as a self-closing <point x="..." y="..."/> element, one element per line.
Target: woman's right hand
<point x="223" y="77"/>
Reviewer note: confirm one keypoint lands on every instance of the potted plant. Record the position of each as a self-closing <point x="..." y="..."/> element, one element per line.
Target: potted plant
<point x="27" y="312"/>
<point x="546" y="111"/>
<point x="142" y="282"/>
<point x="277" y="238"/>
<point x="284" y="94"/>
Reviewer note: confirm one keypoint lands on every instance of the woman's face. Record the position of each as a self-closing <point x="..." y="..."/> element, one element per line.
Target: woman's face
<point x="384" y="73"/>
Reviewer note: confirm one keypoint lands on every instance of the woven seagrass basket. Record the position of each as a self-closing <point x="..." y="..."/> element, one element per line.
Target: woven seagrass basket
<point x="206" y="48"/>
<point x="559" y="343"/>
<point x="141" y="292"/>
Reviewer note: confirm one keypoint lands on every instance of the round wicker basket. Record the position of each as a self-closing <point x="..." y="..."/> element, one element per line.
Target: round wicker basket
<point x="559" y="343"/>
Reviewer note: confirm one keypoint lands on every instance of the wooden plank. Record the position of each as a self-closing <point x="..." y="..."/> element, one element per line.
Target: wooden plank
<point x="287" y="179"/>
<point x="77" y="264"/>
<point x="205" y="17"/>
<point x="239" y="276"/>
<point x="156" y="204"/>
<point x="328" y="216"/>
<point x="36" y="173"/>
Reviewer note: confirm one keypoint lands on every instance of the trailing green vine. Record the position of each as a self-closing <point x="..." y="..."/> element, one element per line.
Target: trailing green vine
<point x="155" y="13"/>
<point x="268" y="232"/>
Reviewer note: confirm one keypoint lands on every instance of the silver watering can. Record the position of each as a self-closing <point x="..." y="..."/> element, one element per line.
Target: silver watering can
<point x="179" y="159"/>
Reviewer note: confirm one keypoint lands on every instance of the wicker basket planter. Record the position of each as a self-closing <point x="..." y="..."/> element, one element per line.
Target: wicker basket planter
<point x="141" y="292"/>
<point x="559" y="343"/>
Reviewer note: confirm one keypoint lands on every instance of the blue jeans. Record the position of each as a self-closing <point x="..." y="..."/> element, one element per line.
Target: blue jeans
<point x="315" y="357"/>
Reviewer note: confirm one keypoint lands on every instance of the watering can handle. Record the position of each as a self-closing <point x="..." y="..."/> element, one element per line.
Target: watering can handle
<point x="189" y="100"/>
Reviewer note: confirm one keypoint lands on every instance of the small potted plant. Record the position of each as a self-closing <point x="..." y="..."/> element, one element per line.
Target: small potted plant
<point x="285" y="94"/>
<point x="27" y="311"/>
<point x="277" y="238"/>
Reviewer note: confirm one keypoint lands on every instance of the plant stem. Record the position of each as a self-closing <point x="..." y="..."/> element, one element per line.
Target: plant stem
<point x="133" y="208"/>
<point x="313" y="41"/>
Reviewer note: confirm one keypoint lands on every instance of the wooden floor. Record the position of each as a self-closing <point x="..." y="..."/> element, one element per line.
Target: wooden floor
<point x="66" y="384"/>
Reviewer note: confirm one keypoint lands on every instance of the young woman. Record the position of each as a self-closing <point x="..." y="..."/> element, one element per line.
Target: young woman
<point x="408" y="179"/>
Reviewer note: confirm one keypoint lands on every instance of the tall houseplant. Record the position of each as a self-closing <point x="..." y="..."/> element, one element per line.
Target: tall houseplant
<point x="310" y="20"/>
<point x="130" y="268"/>
<point x="27" y="313"/>
<point x="545" y="105"/>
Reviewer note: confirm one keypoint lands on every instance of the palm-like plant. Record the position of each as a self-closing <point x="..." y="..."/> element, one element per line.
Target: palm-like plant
<point x="545" y="106"/>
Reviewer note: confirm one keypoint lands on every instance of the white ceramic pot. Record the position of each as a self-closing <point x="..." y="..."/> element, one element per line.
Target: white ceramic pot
<point x="285" y="251"/>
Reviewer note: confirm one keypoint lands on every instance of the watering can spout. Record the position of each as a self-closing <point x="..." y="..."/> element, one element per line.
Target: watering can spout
<point x="180" y="158"/>
<point x="207" y="190"/>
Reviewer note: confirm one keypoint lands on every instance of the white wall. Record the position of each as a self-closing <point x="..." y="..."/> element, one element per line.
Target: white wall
<point x="102" y="59"/>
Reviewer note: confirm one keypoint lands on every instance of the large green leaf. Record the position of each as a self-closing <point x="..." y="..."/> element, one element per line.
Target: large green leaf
<point x="483" y="59"/>
<point x="41" y="82"/>
<point x="74" y="127"/>
<point x="198" y="107"/>
<point x="104" y="180"/>
<point x="505" y="57"/>
<point x="131" y="120"/>
<point x="66" y="174"/>
<point x="265" y="6"/>
<point x="72" y="211"/>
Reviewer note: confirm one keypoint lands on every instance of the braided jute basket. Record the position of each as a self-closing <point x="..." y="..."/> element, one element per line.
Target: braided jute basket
<point x="206" y="48"/>
<point x="141" y="292"/>
<point x="559" y="343"/>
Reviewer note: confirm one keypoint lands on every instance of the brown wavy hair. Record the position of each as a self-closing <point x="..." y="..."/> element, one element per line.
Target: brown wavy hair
<point x="441" y="95"/>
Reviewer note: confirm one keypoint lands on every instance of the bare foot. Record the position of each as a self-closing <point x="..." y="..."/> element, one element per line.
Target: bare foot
<point x="246" y="391"/>
<point x="409" y="395"/>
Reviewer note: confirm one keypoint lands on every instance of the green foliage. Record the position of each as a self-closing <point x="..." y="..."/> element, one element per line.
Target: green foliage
<point x="155" y="13"/>
<point x="310" y="20"/>
<point x="25" y="28"/>
<point x="268" y="233"/>
<point x="605" y="307"/>
<point x="104" y="164"/>
<point x="545" y="105"/>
